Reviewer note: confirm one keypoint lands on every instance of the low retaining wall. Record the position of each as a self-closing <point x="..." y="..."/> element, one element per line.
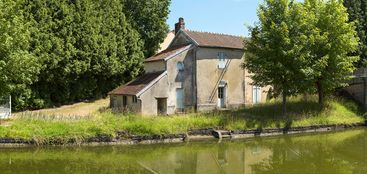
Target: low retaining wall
<point x="124" y="138"/>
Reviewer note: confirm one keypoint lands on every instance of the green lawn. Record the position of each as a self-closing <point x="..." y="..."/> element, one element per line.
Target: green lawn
<point x="300" y="113"/>
<point x="81" y="109"/>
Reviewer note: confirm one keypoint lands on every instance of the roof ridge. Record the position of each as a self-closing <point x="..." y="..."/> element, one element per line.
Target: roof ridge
<point x="208" y="32"/>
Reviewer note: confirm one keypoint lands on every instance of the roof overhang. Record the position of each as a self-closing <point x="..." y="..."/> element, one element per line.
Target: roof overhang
<point x="186" y="35"/>
<point x="151" y="84"/>
<point x="203" y="46"/>
<point x="188" y="47"/>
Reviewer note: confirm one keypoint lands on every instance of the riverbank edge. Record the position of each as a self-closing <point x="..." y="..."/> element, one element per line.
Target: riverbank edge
<point x="124" y="138"/>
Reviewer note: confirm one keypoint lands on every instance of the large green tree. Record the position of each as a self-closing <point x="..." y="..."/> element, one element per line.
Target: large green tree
<point x="357" y="10"/>
<point x="302" y="47"/>
<point x="87" y="48"/>
<point x="82" y="49"/>
<point x="149" y="18"/>
<point x="330" y="40"/>
<point x="272" y="53"/>
<point x="18" y="67"/>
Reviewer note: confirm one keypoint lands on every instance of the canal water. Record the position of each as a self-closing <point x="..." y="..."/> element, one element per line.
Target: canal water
<point x="339" y="152"/>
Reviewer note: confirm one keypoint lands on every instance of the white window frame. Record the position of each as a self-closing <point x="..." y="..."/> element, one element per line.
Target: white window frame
<point x="222" y="60"/>
<point x="256" y="94"/>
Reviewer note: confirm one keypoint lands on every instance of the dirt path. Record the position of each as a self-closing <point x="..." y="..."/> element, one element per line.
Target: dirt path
<point x="77" y="109"/>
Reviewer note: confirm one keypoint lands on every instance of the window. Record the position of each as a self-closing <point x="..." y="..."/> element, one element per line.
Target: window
<point x="135" y="99"/>
<point x="222" y="60"/>
<point x="180" y="66"/>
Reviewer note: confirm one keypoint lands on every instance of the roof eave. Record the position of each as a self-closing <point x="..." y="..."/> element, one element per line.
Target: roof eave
<point x="151" y="84"/>
<point x="115" y="93"/>
<point x="188" y="36"/>
<point x="147" y="61"/>
<point x="206" y="46"/>
<point x="171" y="56"/>
<point x="121" y="94"/>
<point x="188" y="47"/>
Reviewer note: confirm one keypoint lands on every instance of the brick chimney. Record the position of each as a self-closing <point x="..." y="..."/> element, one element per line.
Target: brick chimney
<point x="180" y="25"/>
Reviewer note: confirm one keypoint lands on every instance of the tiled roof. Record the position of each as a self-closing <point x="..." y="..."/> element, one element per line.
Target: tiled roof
<point x="206" y="39"/>
<point x="167" y="53"/>
<point x="134" y="87"/>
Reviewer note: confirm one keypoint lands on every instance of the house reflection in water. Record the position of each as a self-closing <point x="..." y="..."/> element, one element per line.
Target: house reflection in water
<point x="220" y="159"/>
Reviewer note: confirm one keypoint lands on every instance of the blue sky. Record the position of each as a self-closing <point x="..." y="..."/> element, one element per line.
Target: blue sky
<point x="220" y="16"/>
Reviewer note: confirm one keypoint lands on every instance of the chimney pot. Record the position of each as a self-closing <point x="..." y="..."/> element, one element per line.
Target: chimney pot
<point x="180" y="25"/>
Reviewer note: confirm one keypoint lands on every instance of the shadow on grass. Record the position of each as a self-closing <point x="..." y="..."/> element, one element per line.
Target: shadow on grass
<point x="269" y="115"/>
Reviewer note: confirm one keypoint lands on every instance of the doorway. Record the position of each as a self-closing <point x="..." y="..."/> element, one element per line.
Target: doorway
<point x="222" y="96"/>
<point x="256" y="94"/>
<point x="180" y="100"/>
<point x="162" y="106"/>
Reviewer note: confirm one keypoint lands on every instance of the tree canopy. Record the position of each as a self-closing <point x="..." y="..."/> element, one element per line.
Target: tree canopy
<point x="18" y="66"/>
<point x="357" y="10"/>
<point x="331" y="39"/>
<point x="273" y="52"/>
<point x="300" y="47"/>
<point x="79" y="49"/>
<point x="149" y="18"/>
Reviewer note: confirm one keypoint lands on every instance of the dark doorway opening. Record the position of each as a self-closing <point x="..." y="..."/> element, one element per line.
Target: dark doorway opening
<point x="162" y="106"/>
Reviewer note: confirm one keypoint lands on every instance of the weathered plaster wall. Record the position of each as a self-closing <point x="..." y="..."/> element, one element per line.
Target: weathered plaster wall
<point x="249" y="90"/>
<point x="149" y="97"/>
<point x="180" y="39"/>
<point x="181" y="79"/>
<point x="166" y="87"/>
<point x="208" y="75"/>
<point x="155" y="66"/>
<point x="131" y="106"/>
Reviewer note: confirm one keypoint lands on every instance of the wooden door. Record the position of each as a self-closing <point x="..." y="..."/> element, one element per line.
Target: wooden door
<point x="180" y="99"/>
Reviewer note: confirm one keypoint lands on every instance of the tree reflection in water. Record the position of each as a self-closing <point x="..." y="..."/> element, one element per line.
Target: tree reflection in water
<point x="341" y="152"/>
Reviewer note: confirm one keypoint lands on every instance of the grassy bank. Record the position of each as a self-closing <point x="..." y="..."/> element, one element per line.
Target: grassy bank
<point x="81" y="109"/>
<point x="300" y="113"/>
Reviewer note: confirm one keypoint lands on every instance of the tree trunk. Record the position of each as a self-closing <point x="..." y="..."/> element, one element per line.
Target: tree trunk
<point x="284" y="101"/>
<point x="320" y="92"/>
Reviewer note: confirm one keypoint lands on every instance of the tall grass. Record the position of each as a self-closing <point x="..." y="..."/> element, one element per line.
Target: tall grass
<point x="301" y="112"/>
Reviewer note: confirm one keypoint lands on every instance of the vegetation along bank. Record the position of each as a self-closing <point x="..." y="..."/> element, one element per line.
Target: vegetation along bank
<point x="105" y="126"/>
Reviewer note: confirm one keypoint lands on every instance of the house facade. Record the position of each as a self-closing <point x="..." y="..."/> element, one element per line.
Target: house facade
<point x="198" y="71"/>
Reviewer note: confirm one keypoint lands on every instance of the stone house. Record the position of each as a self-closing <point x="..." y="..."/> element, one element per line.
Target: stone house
<point x="198" y="71"/>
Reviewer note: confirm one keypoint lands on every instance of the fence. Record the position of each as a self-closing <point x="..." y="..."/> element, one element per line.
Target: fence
<point x="5" y="107"/>
<point x="52" y="117"/>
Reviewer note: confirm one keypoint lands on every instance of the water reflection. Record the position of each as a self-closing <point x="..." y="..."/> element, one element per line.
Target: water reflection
<point x="342" y="152"/>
